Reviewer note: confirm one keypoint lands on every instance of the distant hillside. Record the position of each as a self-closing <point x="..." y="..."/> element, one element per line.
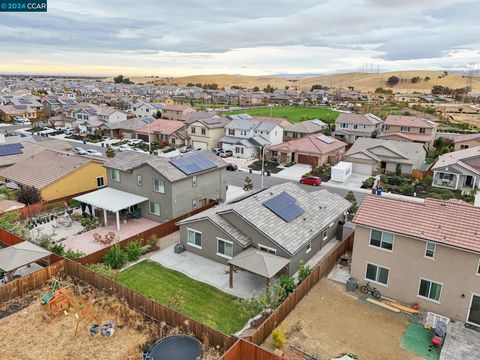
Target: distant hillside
<point x="361" y="81"/>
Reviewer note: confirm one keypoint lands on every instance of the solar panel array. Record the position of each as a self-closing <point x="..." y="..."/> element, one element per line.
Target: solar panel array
<point x="20" y="106"/>
<point x="193" y="164"/>
<point x="212" y="121"/>
<point x="11" y="149"/>
<point x="325" y="139"/>
<point x="283" y="205"/>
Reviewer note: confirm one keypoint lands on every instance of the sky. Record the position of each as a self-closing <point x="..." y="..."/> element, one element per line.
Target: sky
<point x="263" y="37"/>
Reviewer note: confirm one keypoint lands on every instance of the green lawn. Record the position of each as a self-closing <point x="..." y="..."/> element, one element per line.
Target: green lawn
<point x="197" y="300"/>
<point x="292" y="113"/>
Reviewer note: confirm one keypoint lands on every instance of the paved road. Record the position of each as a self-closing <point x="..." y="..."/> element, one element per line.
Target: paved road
<point x="237" y="178"/>
<point x="74" y="144"/>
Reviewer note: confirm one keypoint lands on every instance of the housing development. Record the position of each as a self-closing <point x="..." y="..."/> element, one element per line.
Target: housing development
<point x="320" y="204"/>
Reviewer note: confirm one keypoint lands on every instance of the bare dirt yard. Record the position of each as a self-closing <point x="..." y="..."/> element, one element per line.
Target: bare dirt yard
<point x="329" y="322"/>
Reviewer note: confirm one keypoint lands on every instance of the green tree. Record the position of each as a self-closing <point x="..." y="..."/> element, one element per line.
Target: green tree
<point x="287" y="283"/>
<point x="133" y="250"/>
<point x="29" y="196"/>
<point x="110" y="152"/>
<point x="393" y="80"/>
<point x="303" y="271"/>
<point x="118" y="79"/>
<point x="248" y="184"/>
<point x="115" y="257"/>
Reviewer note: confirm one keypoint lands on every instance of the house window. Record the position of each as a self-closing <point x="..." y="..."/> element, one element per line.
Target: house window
<point x="154" y="208"/>
<point x="100" y="181"/>
<point x="159" y="186"/>
<point x="381" y="239"/>
<point x="172" y="140"/>
<point x="194" y="203"/>
<point x="478" y="267"/>
<point x="204" y="131"/>
<point x="238" y="150"/>
<point x="231" y="132"/>
<point x="224" y="248"/>
<point x="194" y="180"/>
<point x="355" y="126"/>
<point x="463" y="147"/>
<point x="405" y="128"/>
<point x="192" y="130"/>
<point x="267" y="249"/>
<point x="422" y="131"/>
<point x="377" y="274"/>
<point x="114" y="175"/>
<point x="139" y="180"/>
<point x="386" y="127"/>
<point x="445" y="176"/>
<point x="344" y="125"/>
<point x="325" y="235"/>
<point x="430" y="250"/>
<point x="243" y="133"/>
<point x="309" y="246"/>
<point x="429" y="289"/>
<point x="194" y="238"/>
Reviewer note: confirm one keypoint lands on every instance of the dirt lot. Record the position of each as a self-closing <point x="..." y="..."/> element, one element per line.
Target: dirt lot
<point x="26" y="334"/>
<point x="329" y="322"/>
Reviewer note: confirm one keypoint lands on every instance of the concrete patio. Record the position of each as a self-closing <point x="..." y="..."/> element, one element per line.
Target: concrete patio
<point x="84" y="242"/>
<point x="461" y="343"/>
<point x="210" y="272"/>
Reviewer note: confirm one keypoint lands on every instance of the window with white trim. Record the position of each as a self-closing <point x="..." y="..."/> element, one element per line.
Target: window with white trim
<point x="422" y="131"/>
<point x="224" y="248"/>
<point x="405" y="128"/>
<point x="430" y="250"/>
<point x="194" y="180"/>
<point x="154" y="208"/>
<point x="377" y="273"/>
<point x="139" y="180"/>
<point x="429" y="289"/>
<point x="267" y="249"/>
<point x="381" y="239"/>
<point x="100" y="181"/>
<point x="115" y="175"/>
<point x="309" y="246"/>
<point x="159" y="186"/>
<point x="194" y="203"/>
<point x="194" y="238"/>
<point x="478" y="267"/>
<point x="325" y="235"/>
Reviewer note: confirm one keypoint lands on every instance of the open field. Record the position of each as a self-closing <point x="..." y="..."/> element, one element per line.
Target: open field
<point x="329" y="321"/>
<point x="26" y="335"/>
<point x="192" y="298"/>
<point x="293" y="113"/>
<point x="362" y="81"/>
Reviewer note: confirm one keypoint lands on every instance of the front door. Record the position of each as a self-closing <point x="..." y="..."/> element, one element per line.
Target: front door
<point x="474" y="313"/>
<point x="469" y="181"/>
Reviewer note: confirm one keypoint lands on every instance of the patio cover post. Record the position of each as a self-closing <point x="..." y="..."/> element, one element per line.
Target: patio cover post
<point x="105" y="217"/>
<point x="118" y="220"/>
<point x="230" y="277"/>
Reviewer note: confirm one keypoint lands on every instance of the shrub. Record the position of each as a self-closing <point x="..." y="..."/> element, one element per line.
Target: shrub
<point x="115" y="257"/>
<point x="45" y="242"/>
<point x="88" y="224"/>
<point x="29" y="196"/>
<point x="152" y="240"/>
<point x="104" y="270"/>
<point x="279" y="338"/>
<point x="58" y="249"/>
<point x="76" y="217"/>
<point x="368" y="183"/>
<point x="110" y="152"/>
<point x="287" y="283"/>
<point x="73" y="203"/>
<point x="72" y="254"/>
<point x="9" y="220"/>
<point x="133" y="250"/>
<point x="407" y="189"/>
<point x="270" y="298"/>
<point x="303" y="271"/>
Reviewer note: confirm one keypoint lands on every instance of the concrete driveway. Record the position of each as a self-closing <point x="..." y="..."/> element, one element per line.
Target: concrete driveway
<point x="293" y="172"/>
<point x="353" y="181"/>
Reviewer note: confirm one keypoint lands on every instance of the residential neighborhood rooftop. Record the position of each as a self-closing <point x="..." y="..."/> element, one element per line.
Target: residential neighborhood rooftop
<point x="413" y="121"/>
<point x="316" y="143"/>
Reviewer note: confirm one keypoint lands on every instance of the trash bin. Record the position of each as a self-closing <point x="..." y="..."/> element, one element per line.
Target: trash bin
<point x="379" y="191"/>
<point x="351" y="284"/>
<point x="269" y="173"/>
<point x="250" y="171"/>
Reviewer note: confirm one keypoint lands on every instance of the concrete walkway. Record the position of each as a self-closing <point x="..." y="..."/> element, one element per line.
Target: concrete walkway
<point x="461" y="343"/>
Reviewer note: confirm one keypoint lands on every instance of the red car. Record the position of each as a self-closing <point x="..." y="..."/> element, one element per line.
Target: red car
<point x="311" y="180"/>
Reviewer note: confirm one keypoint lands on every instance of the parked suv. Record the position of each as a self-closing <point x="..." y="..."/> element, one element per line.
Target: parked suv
<point x="135" y="142"/>
<point x="310" y="180"/>
<point x="225" y="153"/>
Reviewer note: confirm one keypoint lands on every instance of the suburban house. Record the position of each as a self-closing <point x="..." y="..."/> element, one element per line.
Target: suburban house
<point x="57" y="175"/>
<point x="55" y="105"/>
<point x="170" y="187"/>
<point x="314" y="150"/>
<point x="461" y="142"/>
<point x="246" y="137"/>
<point x="168" y="132"/>
<point x="197" y="115"/>
<point x="90" y="117"/>
<point x="349" y="127"/>
<point x="304" y="128"/>
<point x="8" y="112"/>
<point x="125" y="129"/>
<point x="409" y="128"/>
<point x="145" y="109"/>
<point x="270" y="230"/>
<point x="206" y="133"/>
<point x="176" y="111"/>
<point x="374" y="156"/>
<point x="458" y="170"/>
<point x="425" y="253"/>
<point x="282" y="122"/>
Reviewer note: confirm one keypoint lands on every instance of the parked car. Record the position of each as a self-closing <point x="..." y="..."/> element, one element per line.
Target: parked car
<point x="185" y="149"/>
<point x="124" y="147"/>
<point x="135" y="142"/>
<point x="22" y="120"/>
<point x="93" y="152"/>
<point x="69" y="131"/>
<point x="231" y="167"/>
<point x="216" y="151"/>
<point x="225" y="153"/>
<point x="48" y="131"/>
<point x="310" y="180"/>
<point x="79" y="150"/>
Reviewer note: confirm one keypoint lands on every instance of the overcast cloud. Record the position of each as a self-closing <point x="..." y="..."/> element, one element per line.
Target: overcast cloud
<point x="248" y="37"/>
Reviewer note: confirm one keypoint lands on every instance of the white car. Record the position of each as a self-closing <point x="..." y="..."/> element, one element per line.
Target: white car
<point x="48" y="131"/>
<point x="69" y="131"/>
<point x="23" y="121"/>
<point x="135" y="142"/>
<point x="79" y="150"/>
<point x="92" y="152"/>
<point x="124" y="147"/>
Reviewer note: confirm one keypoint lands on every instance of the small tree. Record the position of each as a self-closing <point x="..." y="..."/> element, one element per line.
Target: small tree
<point x="110" y="152"/>
<point x="115" y="258"/>
<point x="29" y="196"/>
<point x="393" y="80"/>
<point x="248" y="185"/>
<point x="353" y="209"/>
<point x="133" y="250"/>
<point x="287" y="283"/>
<point x="303" y="271"/>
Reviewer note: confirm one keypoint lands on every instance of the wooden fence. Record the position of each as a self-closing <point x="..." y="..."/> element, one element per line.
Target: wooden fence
<point x="9" y="239"/>
<point x="280" y="313"/>
<point x="243" y="350"/>
<point x="159" y="231"/>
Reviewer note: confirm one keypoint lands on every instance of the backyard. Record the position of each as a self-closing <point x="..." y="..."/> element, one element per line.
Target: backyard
<point x="195" y="299"/>
<point x="292" y="113"/>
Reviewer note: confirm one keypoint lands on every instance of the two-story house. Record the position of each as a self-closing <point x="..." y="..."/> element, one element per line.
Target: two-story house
<point x="275" y="229"/>
<point x="176" y="111"/>
<point x="458" y="170"/>
<point x="466" y="141"/>
<point x="55" y="105"/>
<point x="421" y="253"/>
<point x="206" y="133"/>
<point x="145" y="109"/>
<point x="173" y="186"/>
<point x="350" y="127"/>
<point x="409" y="128"/>
<point x="304" y="128"/>
<point x="245" y="136"/>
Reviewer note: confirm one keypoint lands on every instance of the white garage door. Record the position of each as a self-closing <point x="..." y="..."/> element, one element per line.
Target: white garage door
<point x="364" y="169"/>
<point x="199" y="144"/>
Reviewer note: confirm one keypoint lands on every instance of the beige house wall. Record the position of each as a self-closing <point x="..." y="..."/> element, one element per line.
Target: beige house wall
<point x="211" y="137"/>
<point x="471" y="143"/>
<point x="454" y="268"/>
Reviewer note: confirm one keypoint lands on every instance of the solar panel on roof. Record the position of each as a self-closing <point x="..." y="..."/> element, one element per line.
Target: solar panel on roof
<point x="283" y="205"/>
<point x="11" y="149"/>
<point x="212" y="121"/>
<point x="325" y="139"/>
<point x="20" y="106"/>
<point x="193" y="164"/>
<point x="318" y="122"/>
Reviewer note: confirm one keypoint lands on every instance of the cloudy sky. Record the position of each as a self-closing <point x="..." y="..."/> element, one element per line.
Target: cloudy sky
<point x="185" y="37"/>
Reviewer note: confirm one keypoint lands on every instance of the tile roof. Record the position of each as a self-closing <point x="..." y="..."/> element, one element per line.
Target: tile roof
<point x="44" y="168"/>
<point x="30" y="148"/>
<point x="413" y="121"/>
<point x="177" y="107"/>
<point x="466" y="137"/>
<point x="307" y="127"/>
<point x="360" y="119"/>
<point x="459" y="158"/>
<point x="309" y="144"/>
<point x="444" y="222"/>
<point x="408" y="136"/>
<point x="163" y="126"/>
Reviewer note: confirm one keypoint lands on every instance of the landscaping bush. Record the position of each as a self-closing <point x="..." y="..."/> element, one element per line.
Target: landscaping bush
<point x="72" y="254"/>
<point x="104" y="270"/>
<point x="133" y="250"/>
<point x="58" y="249"/>
<point x="73" y="203"/>
<point x="110" y="152"/>
<point x="303" y="271"/>
<point x="88" y="224"/>
<point x="324" y="172"/>
<point x="270" y="298"/>
<point x="353" y="209"/>
<point x="115" y="257"/>
<point x="407" y="189"/>
<point x="9" y="220"/>
<point x="287" y="283"/>
<point x="76" y="217"/>
<point x="368" y="183"/>
<point x="29" y="196"/>
<point x="279" y="338"/>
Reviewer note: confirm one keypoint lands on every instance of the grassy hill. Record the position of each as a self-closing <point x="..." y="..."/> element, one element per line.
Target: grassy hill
<point x="293" y="113"/>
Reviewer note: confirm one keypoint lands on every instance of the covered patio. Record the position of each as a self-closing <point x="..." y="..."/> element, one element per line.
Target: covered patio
<point x="257" y="262"/>
<point x="112" y="200"/>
